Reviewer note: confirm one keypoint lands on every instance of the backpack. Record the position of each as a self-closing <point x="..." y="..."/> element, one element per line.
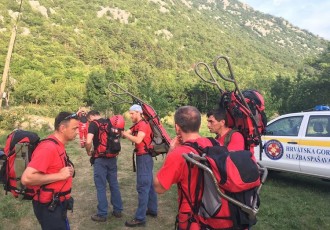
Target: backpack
<point x="18" y="150"/>
<point x="160" y="143"/>
<point x="235" y="184"/>
<point x="250" y="124"/>
<point x="160" y="140"/>
<point x="109" y="139"/>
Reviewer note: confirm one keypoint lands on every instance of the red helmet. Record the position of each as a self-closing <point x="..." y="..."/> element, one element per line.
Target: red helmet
<point x="118" y="121"/>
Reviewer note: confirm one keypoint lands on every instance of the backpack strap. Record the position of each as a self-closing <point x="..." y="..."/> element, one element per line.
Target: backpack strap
<point x="228" y="137"/>
<point x="103" y="126"/>
<point x="50" y="139"/>
<point x="135" y="124"/>
<point x="99" y="124"/>
<point x="146" y="146"/>
<point x="195" y="146"/>
<point x="200" y="181"/>
<point x="198" y="148"/>
<point x="66" y="163"/>
<point x="213" y="141"/>
<point x="189" y="200"/>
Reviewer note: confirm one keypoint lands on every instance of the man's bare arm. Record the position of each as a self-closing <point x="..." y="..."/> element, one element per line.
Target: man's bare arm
<point x="31" y="176"/>
<point x="88" y="145"/>
<point x="136" y="139"/>
<point x="158" y="187"/>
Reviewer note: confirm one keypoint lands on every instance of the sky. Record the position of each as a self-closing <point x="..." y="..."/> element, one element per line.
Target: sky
<point x="311" y="15"/>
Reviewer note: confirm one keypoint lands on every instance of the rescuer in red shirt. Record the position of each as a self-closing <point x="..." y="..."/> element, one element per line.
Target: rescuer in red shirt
<point x="140" y="134"/>
<point x="217" y="123"/>
<point x="175" y="169"/>
<point x="83" y="128"/>
<point x="50" y="172"/>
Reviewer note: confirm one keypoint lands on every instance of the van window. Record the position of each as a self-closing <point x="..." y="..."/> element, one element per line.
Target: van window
<point x="318" y="126"/>
<point x="288" y="126"/>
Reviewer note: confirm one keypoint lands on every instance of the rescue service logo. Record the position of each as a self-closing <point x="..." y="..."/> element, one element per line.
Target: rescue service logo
<point x="274" y="149"/>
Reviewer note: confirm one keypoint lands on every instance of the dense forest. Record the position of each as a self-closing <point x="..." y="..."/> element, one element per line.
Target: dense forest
<point x="67" y="52"/>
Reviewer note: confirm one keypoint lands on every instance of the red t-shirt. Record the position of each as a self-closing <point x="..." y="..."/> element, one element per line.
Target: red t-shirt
<point x="49" y="158"/>
<point x="142" y="126"/>
<point x="236" y="142"/>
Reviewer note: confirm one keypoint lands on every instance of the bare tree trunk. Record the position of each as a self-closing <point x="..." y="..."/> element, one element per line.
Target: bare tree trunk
<point x="7" y="100"/>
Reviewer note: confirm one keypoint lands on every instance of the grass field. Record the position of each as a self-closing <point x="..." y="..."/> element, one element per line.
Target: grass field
<point x="288" y="201"/>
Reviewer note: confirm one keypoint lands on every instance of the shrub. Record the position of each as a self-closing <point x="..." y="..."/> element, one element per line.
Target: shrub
<point x="10" y="119"/>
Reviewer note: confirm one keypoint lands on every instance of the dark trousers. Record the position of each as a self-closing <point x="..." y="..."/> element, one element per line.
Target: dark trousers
<point x="56" y="220"/>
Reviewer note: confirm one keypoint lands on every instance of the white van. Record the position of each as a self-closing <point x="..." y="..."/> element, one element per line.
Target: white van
<point x="299" y="143"/>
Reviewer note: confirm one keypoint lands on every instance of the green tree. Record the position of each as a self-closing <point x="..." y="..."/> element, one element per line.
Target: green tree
<point x="32" y="87"/>
<point x="96" y="91"/>
<point x="312" y="86"/>
<point x="204" y="96"/>
<point x="309" y="88"/>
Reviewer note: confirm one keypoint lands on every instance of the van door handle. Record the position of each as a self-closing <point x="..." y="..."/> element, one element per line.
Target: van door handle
<point x="292" y="142"/>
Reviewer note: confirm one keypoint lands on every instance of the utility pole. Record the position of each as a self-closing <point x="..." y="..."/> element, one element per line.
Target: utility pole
<point x="6" y="68"/>
<point x="8" y="58"/>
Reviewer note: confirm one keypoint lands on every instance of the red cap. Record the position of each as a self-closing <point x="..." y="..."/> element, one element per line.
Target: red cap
<point x="118" y="121"/>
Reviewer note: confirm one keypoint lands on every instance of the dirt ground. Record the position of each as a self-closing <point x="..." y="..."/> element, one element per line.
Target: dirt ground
<point x="19" y="214"/>
<point x="84" y="193"/>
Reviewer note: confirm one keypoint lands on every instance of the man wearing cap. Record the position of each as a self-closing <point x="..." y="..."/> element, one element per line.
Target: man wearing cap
<point x="140" y="134"/>
<point x="105" y="169"/>
<point x="51" y="172"/>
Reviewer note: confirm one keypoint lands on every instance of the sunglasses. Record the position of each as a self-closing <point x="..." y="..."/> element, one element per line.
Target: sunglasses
<point x="71" y="116"/>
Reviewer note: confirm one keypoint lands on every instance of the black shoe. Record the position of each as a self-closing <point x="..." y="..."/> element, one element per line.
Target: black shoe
<point x="98" y="218"/>
<point x="117" y="214"/>
<point x="150" y="213"/>
<point x="135" y="223"/>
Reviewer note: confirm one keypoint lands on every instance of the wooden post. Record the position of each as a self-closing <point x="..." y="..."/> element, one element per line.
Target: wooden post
<point x="7" y="63"/>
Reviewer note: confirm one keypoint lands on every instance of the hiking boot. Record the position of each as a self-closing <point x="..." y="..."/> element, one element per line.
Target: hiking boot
<point x="135" y="223"/>
<point x="150" y="213"/>
<point x="117" y="214"/>
<point x="98" y="218"/>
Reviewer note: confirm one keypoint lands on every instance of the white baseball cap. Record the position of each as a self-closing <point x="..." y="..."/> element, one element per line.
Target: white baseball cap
<point x="136" y="107"/>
